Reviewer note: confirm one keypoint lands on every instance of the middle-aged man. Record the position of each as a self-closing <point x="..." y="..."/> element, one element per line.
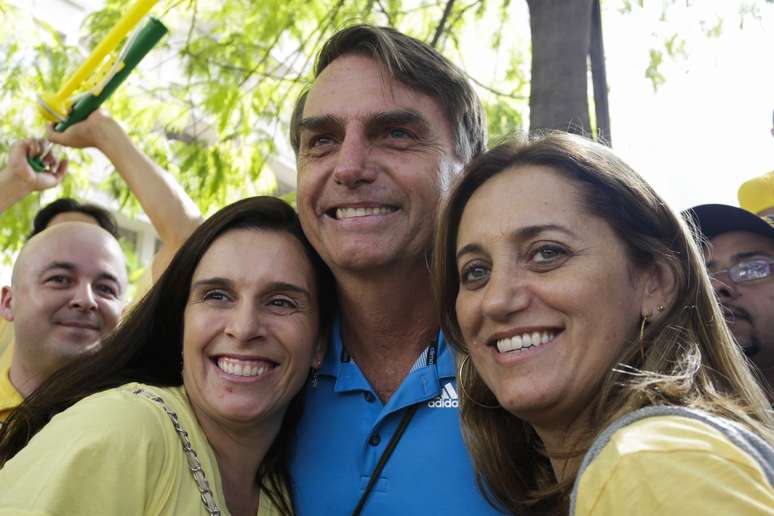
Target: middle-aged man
<point x="741" y="261"/>
<point x="384" y="127"/>
<point x="67" y="290"/>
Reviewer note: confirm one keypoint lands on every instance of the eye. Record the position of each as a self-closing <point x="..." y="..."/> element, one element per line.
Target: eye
<point x="215" y="295"/>
<point x="58" y="280"/>
<point x="107" y="290"/>
<point x="317" y="141"/>
<point x="398" y="133"/>
<point x="547" y="256"/>
<point x="282" y="302"/>
<point x="474" y="274"/>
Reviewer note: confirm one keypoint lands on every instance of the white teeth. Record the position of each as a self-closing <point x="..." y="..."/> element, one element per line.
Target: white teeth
<point x="525" y="341"/>
<point x="349" y="213"/>
<point x="242" y="367"/>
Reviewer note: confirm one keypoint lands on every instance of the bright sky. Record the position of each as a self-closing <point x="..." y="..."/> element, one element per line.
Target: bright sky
<point x="707" y="129"/>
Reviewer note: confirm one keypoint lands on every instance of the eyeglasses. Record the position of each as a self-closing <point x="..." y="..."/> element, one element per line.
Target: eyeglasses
<point x="746" y="271"/>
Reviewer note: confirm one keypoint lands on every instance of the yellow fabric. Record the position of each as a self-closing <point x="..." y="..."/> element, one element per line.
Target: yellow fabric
<point x="6" y="335"/>
<point x="9" y="396"/>
<point x="757" y="194"/>
<point x="673" y="465"/>
<point x="113" y="454"/>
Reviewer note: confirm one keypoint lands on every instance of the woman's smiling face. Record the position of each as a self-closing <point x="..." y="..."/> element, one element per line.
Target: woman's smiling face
<point x="548" y="297"/>
<point x="250" y="327"/>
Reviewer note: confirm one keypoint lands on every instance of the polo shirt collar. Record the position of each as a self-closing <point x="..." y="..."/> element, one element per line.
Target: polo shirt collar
<point x="338" y="364"/>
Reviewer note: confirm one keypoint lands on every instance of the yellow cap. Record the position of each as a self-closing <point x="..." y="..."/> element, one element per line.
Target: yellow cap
<point x="757" y="194"/>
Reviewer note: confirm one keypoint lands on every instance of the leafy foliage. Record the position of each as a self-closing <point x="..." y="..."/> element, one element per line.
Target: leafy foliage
<point x="211" y="103"/>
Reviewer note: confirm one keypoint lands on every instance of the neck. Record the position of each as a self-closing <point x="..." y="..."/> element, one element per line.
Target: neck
<point x="560" y="442"/>
<point x="239" y="451"/>
<point x="23" y="378"/>
<point x="387" y="323"/>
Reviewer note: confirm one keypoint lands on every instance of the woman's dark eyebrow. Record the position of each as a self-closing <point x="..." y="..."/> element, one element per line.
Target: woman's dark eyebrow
<point x="215" y="281"/>
<point x="276" y="286"/>
<point x="520" y="234"/>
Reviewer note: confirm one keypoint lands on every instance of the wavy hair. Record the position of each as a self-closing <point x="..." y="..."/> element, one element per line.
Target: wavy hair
<point x="690" y="358"/>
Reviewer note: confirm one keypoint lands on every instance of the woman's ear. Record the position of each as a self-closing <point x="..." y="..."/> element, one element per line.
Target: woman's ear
<point x="659" y="288"/>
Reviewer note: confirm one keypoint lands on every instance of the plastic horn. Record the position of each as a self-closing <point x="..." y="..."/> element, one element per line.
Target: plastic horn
<point x="52" y="105"/>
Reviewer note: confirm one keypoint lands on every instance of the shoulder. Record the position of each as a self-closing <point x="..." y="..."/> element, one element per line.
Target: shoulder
<point x="110" y="453"/>
<point x="672" y="462"/>
<point x="116" y="418"/>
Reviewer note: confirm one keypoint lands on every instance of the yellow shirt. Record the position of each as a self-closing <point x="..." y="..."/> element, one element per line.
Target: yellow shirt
<point x="6" y="335"/>
<point x="673" y="465"/>
<point x="114" y="453"/>
<point x="9" y="396"/>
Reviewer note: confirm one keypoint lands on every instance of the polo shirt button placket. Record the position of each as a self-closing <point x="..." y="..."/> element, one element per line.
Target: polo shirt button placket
<point x="369" y="397"/>
<point x="374" y="440"/>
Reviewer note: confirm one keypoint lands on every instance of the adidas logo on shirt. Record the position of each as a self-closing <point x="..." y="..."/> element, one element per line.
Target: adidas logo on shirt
<point x="447" y="399"/>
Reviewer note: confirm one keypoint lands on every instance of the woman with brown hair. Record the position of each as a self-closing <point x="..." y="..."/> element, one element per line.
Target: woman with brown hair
<point x="587" y="326"/>
<point x="190" y="405"/>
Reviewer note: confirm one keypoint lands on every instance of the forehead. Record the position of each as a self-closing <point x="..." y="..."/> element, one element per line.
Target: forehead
<point x="520" y="197"/>
<point x="256" y="255"/>
<point x="728" y="246"/>
<point x="91" y="252"/>
<point x="356" y="87"/>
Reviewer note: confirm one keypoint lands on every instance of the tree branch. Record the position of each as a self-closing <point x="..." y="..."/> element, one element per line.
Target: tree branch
<point x="442" y="24"/>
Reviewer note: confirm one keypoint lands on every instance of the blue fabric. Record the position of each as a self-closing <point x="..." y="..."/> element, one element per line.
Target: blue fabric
<point x="345" y="428"/>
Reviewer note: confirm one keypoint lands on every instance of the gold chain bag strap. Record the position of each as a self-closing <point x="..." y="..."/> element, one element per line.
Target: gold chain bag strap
<point x="190" y="454"/>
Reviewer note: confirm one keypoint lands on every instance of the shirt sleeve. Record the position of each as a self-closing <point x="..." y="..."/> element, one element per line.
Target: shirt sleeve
<point x="673" y="466"/>
<point x="104" y="455"/>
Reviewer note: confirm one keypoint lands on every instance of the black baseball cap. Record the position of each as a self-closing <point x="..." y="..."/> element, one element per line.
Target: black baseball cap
<point x="716" y="219"/>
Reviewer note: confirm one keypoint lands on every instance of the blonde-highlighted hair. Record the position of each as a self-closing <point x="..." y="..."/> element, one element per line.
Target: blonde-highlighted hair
<point x="690" y="358"/>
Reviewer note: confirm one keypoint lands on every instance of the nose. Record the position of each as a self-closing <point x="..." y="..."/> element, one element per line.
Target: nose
<point x="505" y="294"/>
<point x="244" y="323"/>
<point x="725" y="290"/>
<point x="83" y="297"/>
<point x="352" y="164"/>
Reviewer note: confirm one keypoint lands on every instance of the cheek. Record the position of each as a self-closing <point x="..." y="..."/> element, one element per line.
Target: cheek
<point x="468" y="317"/>
<point x="112" y="313"/>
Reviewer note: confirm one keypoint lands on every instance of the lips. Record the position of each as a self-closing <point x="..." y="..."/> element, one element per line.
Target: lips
<point x="522" y="340"/>
<point x="359" y="211"/>
<point x="244" y="367"/>
<point x="79" y="324"/>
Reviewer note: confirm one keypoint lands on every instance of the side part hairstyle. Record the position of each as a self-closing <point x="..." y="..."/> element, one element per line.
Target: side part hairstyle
<point x="690" y="358"/>
<point x="103" y="217"/>
<point x="147" y="347"/>
<point x="417" y="65"/>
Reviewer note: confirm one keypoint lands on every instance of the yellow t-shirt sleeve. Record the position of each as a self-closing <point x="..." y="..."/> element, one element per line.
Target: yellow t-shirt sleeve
<point x="104" y="455"/>
<point x="673" y="465"/>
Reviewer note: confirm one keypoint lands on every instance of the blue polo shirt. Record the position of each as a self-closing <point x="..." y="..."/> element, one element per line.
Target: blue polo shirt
<point x="345" y="428"/>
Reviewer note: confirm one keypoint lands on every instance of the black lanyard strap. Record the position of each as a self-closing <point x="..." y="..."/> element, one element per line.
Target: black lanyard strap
<point x="385" y="456"/>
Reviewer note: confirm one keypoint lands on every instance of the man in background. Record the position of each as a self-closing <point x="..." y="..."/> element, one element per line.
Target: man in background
<point x="67" y="290"/>
<point x="740" y="260"/>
